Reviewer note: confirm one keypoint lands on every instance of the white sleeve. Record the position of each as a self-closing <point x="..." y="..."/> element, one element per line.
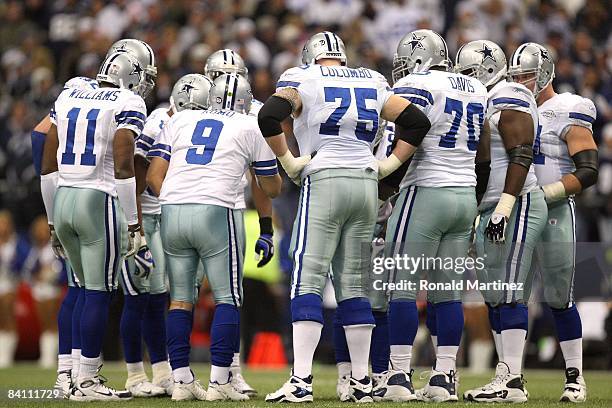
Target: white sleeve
<point x="147" y="137"/>
<point x="263" y="159"/>
<point x="383" y="90"/>
<point x="132" y="115"/>
<point x="417" y="93"/>
<point x="292" y="78"/>
<point x="582" y="113"/>
<point x="126" y="193"/>
<point x="163" y="142"/>
<point x="511" y="97"/>
<point x="48" y="187"/>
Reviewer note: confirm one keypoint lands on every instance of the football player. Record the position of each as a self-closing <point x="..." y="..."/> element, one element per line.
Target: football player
<point x="69" y="315"/>
<point x="88" y="176"/>
<point x="199" y="222"/>
<point x="512" y="215"/>
<point x="440" y="181"/>
<point x="336" y="113"/>
<point x="221" y="62"/>
<point x="565" y="159"/>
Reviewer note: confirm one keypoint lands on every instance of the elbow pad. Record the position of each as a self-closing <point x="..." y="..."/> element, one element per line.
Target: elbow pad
<point x="271" y="114"/>
<point x="483" y="170"/>
<point x="413" y="125"/>
<point x="587" y="168"/>
<point x="521" y="155"/>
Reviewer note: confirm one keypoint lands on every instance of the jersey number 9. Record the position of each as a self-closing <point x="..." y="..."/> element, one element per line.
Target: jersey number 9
<point x="206" y="133"/>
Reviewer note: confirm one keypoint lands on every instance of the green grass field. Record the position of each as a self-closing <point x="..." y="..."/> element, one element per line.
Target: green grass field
<point x="544" y="387"/>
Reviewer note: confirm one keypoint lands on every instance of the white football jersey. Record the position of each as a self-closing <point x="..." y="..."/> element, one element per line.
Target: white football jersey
<point x="550" y="154"/>
<point x="385" y="146"/>
<point x="153" y="126"/>
<point x="86" y="123"/>
<point x="506" y="96"/>
<point x="209" y="152"/>
<point x="340" y="114"/>
<point x="455" y="105"/>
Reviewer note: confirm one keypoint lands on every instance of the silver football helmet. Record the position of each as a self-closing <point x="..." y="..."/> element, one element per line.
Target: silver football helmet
<point x="144" y="54"/>
<point x="483" y="60"/>
<point x="323" y="45"/>
<point x="231" y="91"/>
<point x="419" y="51"/>
<point x="123" y="70"/>
<point x="190" y="92"/>
<point x="532" y="58"/>
<point x="224" y="61"/>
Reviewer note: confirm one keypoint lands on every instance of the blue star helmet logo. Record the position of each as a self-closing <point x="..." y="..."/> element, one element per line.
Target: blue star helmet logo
<point x="544" y="54"/>
<point x="487" y="52"/>
<point x="136" y="69"/>
<point x="416" y="43"/>
<point x="187" y="89"/>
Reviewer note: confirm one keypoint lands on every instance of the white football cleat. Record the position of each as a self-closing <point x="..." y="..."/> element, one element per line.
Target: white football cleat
<point x="188" y="391"/>
<point x="241" y="385"/>
<point x="441" y="387"/>
<point x="296" y="389"/>
<point x="504" y="387"/>
<point x="342" y="388"/>
<point x="94" y="390"/>
<point x="144" y="389"/>
<point x="395" y="386"/>
<point x="167" y="383"/>
<point x="224" y="392"/>
<point x="63" y="383"/>
<point x="360" y="391"/>
<point x="575" y="387"/>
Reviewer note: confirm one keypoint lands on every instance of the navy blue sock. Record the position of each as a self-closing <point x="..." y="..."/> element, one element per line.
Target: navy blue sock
<point x="403" y="322"/>
<point x="131" y="326"/>
<point x="179" y="325"/>
<point x="430" y="319"/>
<point x="513" y="316"/>
<point x="93" y="322"/>
<point x="154" y="327"/>
<point x="380" y="350"/>
<point x="223" y="334"/>
<point x="64" y="320"/>
<point x="340" y="346"/>
<point x="307" y="307"/>
<point x="449" y="323"/>
<point x="237" y="343"/>
<point x="494" y="318"/>
<point x="568" y="323"/>
<point x="76" y="319"/>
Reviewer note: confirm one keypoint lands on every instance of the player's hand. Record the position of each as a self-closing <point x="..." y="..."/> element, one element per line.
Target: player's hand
<point x="56" y="246"/>
<point x="144" y="260"/>
<point x="294" y="165"/>
<point x="264" y="249"/>
<point x="134" y="239"/>
<point x="385" y="208"/>
<point x="496" y="228"/>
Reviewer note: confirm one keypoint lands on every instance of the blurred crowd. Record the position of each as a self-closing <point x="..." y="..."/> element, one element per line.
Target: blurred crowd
<point x="44" y="43"/>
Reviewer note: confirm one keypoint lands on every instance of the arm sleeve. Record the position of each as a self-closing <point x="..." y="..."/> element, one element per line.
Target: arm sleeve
<point x="383" y="90"/>
<point x="146" y="139"/>
<point x="263" y="159"/>
<point x="126" y="193"/>
<point x="292" y="78"/>
<point x="582" y="113"/>
<point x="133" y="114"/>
<point x="48" y="186"/>
<point x="417" y="93"/>
<point x="162" y="144"/>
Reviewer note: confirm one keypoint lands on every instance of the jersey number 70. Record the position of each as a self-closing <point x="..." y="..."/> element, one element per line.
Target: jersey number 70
<point x="364" y="114"/>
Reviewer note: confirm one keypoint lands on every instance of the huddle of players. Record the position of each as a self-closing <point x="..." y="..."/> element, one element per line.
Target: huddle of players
<point x="96" y="220"/>
<point x="485" y="139"/>
<point x="472" y="137"/>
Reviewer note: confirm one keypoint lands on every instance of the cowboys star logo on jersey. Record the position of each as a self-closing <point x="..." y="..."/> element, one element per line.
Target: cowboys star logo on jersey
<point x="487" y="52"/>
<point x="416" y="42"/>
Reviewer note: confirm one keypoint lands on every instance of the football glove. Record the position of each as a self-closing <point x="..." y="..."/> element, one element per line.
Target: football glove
<point x="57" y="246"/>
<point x="144" y="260"/>
<point x="264" y="248"/>
<point x="496" y="227"/>
<point x="134" y="239"/>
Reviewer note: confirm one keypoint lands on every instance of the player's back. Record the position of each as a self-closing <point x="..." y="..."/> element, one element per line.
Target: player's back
<point x="86" y="123"/>
<point x="209" y="152"/>
<point x="552" y="159"/>
<point x="506" y="96"/>
<point x="455" y="105"/>
<point x="340" y="113"/>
